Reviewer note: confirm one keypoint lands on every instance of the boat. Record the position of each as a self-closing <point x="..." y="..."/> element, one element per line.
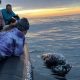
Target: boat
<point x="16" y="68"/>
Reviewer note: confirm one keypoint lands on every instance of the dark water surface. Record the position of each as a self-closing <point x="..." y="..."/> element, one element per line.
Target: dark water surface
<point x="59" y="35"/>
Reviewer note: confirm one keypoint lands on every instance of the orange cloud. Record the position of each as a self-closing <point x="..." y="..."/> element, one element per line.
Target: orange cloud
<point x="48" y="12"/>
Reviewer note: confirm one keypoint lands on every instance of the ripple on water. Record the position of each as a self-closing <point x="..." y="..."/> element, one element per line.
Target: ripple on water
<point x="60" y="36"/>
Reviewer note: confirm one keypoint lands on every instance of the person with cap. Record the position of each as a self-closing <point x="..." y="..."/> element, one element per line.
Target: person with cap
<point x="8" y="14"/>
<point x="12" y="40"/>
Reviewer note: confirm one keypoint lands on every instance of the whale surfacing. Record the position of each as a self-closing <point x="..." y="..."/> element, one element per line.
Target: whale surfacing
<point x="57" y="63"/>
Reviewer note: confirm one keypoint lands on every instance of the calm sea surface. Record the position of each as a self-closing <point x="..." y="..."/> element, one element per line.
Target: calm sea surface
<point x="59" y="35"/>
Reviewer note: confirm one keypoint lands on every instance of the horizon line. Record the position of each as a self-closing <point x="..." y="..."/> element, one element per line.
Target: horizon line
<point x="48" y="12"/>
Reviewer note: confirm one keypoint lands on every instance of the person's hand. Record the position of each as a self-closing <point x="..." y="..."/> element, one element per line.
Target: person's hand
<point x="12" y="24"/>
<point x="16" y="16"/>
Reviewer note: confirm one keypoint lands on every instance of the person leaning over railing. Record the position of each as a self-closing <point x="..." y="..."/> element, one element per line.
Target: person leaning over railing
<point x="12" y="40"/>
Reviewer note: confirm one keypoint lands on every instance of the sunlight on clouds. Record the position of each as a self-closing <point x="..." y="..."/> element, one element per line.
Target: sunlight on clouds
<point x="17" y="8"/>
<point x="48" y="12"/>
<point x="38" y="10"/>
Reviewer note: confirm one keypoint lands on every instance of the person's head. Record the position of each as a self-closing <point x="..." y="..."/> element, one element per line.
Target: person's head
<point x="23" y="25"/>
<point x="8" y="7"/>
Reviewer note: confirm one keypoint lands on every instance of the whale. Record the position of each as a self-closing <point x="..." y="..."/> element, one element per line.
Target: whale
<point x="57" y="63"/>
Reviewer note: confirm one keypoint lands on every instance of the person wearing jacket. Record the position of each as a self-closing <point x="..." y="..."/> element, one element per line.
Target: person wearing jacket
<point x="8" y="14"/>
<point x="12" y="41"/>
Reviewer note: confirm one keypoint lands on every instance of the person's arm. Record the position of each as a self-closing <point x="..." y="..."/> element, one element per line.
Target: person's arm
<point x="16" y="17"/>
<point x="19" y="47"/>
<point x="6" y="16"/>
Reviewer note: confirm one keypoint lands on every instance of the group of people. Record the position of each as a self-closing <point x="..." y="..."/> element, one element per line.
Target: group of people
<point x="12" y="40"/>
<point x="12" y="33"/>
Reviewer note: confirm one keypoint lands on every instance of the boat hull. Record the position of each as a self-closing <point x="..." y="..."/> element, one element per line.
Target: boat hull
<point x="16" y="68"/>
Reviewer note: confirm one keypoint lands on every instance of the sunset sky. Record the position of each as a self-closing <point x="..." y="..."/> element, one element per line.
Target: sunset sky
<point x="43" y="8"/>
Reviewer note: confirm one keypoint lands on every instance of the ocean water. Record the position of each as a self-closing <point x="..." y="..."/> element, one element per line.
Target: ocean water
<point x="54" y="34"/>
